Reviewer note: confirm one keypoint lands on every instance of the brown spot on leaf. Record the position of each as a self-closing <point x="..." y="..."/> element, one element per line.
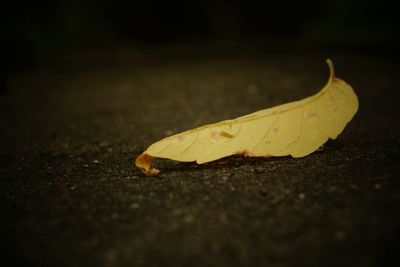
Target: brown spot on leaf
<point x="215" y="135"/>
<point x="246" y="153"/>
<point x="181" y="138"/>
<point x="312" y="114"/>
<point x="225" y="134"/>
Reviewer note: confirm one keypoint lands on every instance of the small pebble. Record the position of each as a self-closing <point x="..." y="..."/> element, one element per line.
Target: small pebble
<point x="188" y="218"/>
<point x="377" y="186"/>
<point x="95" y="161"/>
<point x="340" y="235"/>
<point x="104" y="144"/>
<point x="111" y="256"/>
<point x="134" y="206"/>
<point x="223" y="218"/>
<point x="224" y="178"/>
<point x="206" y="198"/>
<point x="252" y="89"/>
<point x="259" y="170"/>
<point x="302" y="195"/>
<point x="354" y="187"/>
<point x="168" y="132"/>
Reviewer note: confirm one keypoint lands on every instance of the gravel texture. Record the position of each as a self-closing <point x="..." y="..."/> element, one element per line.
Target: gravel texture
<point x="70" y="196"/>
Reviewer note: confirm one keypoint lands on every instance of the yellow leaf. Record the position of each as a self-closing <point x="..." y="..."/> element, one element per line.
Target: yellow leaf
<point x="297" y="129"/>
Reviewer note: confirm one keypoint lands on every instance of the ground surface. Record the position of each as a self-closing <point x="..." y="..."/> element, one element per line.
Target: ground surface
<point x="70" y="196"/>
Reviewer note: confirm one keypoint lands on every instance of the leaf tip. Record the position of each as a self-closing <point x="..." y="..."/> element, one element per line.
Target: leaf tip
<point x="331" y="68"/>
<point x="143" y="162"/>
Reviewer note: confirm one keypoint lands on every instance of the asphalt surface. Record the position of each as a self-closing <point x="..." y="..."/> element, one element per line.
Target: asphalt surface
<point x="70" y="196"/>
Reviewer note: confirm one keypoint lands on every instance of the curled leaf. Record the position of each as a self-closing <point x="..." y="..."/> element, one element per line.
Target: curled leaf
<point x="297" y="128"/>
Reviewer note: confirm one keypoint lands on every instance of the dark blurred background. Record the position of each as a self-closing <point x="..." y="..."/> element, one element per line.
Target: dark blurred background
<point x="36" y="31"/>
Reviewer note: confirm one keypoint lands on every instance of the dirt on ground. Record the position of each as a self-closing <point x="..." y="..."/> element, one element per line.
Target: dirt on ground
<point x="70" y="195"/>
